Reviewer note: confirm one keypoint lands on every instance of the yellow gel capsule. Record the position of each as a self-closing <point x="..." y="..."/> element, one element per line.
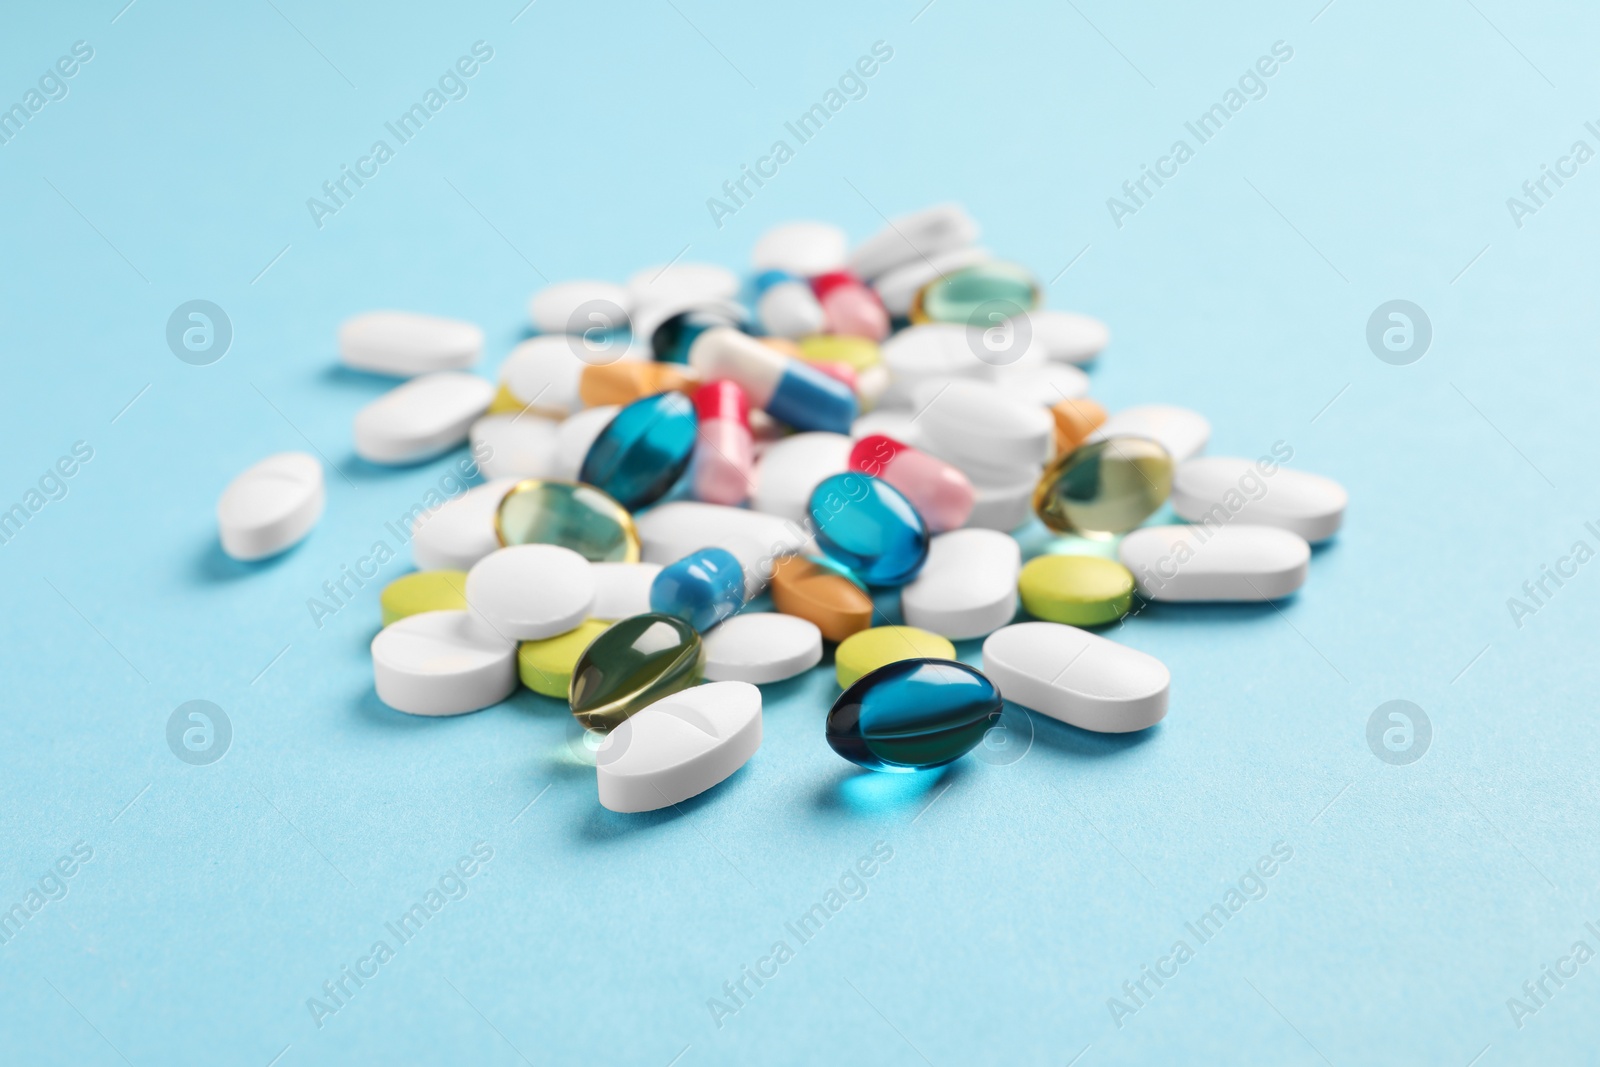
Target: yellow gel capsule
<point x="546" y="666"/>
<point x="1076" y="590"/>
<point x="861" y="353"/>
<point x="412" y="594"/>
<point x="864" y="652"/>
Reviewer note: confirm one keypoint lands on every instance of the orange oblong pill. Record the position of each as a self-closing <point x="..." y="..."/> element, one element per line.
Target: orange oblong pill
<point x="1075" y="421"/>
<point x="822" y="596"/>
<point x="625" y="381"/>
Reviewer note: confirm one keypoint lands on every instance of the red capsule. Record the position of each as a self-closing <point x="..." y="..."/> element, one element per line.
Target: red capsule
<point x="724" y="456"/>
<point x="849" y="307"/>
<point x="940" y="493"/>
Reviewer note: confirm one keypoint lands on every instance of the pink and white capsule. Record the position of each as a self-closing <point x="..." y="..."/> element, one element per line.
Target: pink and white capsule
<point x="942" y="495"/>
<point x="723" y="452"/>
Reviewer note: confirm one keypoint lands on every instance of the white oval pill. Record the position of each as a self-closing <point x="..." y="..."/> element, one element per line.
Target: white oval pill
<point x="1065" y="336"/>
<point x="530" y="592"/>
<point x="761" y="647"/>
<point x="679" y="747"/>
<point x="789" y="469"/>
<point x="270" y="505"/>
<point x="1077" y="677"/>
<point x="1234" y="562"/>
<point x="406" y="344"/>
<point x="929" y="354"/>
<point x="1183" y="433"/>
<point x="520" y="445"/>
<point x="967" y="587"/>
<point x="683" y="284"/>
<point x="1045" y="384"/>
<point x="460" y="532"/>
<point x="543" y="372"/>
<point x="1219" y="489"/>
<point x="621" y="590"/>
<point x="576" y="433"/>
<point x="898" y="287"/>
<point x="420" y="419"/>
<point x="928" y="232"/>
<point x="1001" y="507"/>
<point x="803" y="249"/>
<point x="442" y="663"/>
<point x="668" y="532"/>
<point x="579" y="306"/>
<point x="984" y="422"/>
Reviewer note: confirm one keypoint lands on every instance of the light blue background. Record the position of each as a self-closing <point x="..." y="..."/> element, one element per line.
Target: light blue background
<point x="220" y="898"/>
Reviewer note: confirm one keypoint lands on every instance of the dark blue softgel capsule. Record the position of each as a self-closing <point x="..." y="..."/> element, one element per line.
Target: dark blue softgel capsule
<point x="643" y="451"/>
<point x="702" y="588"/>
<point x="869" y="527"/>
<point x="912" y="715"/>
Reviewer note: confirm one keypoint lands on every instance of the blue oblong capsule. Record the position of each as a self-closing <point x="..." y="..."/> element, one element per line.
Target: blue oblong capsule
<point x="643" y="451"/>
<point x="913" y="714"/>
<point x="869" y="527"/>
<point x="702" y="588"/>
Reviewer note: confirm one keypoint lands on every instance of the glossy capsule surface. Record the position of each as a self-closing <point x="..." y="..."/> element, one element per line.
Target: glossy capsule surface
<point x="912" y="715"/>
<point x="671" y="340"/>
<point x="823" y="593"/>
<point x="850" y="308"/>
<point x="789" y="389"/>
<point x="724" y="454"/>
<point x="982" y="295"/>
<point x="643" y="451"/>
<point x="631" y="665"/>
<point x="942" y="495"/>
<point x="579" y="517"/>
<point x="702" y="588"/>
<point x="869" y="526"/>
<point x="1104" y="487"/>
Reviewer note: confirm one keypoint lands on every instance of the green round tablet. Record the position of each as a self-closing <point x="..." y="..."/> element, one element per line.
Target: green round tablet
<point x="1077" y="590"/>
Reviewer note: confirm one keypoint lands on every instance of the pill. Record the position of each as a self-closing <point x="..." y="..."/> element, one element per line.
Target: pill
<point x="823" y="594"/>
<point x="790" y="390"/>
<point x="1183" y="433"/>
<point x="702" y="588"/>
<point x="461" y="531"/>
<point x="634" y="663"/>
<point x="442" y="663"/>
<point x="983" y="422"/>
<point x="515" y="446"/>
<point x="671" y="531"/>
<point x="1104" y="487"/>
<point x="859" y="353"/>
<point x="1002" y="507"/>
<point x="906" y="238"/>
<point x="968" y="586"/>
<point x="669" y="333"/>
<point x="870" y="527"/>
<point x="872" y="385"/>
<point x="762" y="647"/>
<point x="849" y="307"/>
<point x="643" y="451"/>
<point x="405" y="344"/>
<point x="930" y="355"/>
<point x="622" y="590"/>
<point x="942" y="495"/>
<point x="679" y="747"/>
<point x="1065" y="336"/>
<point x="628" y="380"/>
<point x="1075" y="420"/>
<point x="574" y="437"/>
<point x="546" y="666"/>
<point x="1234" y="562"/>
<point x="529" y="592"/>
<point x="420" y="419"/>
<point x="1045" y="384"/>
<point x="864" y="652"/>
<point x="913" y="715"/>
<point x="579" y="307"/>
<point x="786" y="306"/>
<point x="412" y="594"/>
<point x="978" y="295"/>
<point x="898" y="424"/>
<point x="1218" y="489"/>
<point x="270" y="506"/>
<point x="1077" y="590"/>
<point x="575" y="516"/>
<point x="555" y="376"/>
<point x="1078" y="677"/>
<point x="724" y="451"/>
<point x="800" y="248"/>
<point x="791" y="468"/>
<point x="683" y="284"/>
<point x="899" y="287"/>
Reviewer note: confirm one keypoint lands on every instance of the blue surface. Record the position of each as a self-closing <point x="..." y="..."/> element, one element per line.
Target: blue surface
<point x="1011" y="894"/>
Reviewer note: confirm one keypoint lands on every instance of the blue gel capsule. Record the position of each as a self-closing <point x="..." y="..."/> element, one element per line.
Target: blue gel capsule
<point x="913" y="714"/>
<point x="867" y="526"/>
<point x="808" y="399"/>
<point x="643" y="451"/>
<point x="702" y="588"/>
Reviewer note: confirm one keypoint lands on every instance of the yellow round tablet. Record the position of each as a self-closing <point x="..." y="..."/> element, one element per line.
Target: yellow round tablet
<point x="1077" y="590"/>
<point x="864" y="652"/>
<point x="859" y="352"/>
<point x="546" y="666"/>
<point x="412" y="594"/>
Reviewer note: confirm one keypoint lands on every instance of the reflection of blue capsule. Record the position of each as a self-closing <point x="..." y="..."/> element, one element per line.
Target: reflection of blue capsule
<point x="702" y="588"/>
<point x="643" y="451"/>
<point x="869" y="527"/>
<point x="913" y="714"/>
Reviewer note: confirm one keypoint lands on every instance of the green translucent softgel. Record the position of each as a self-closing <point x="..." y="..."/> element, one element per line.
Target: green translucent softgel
<point x="1105" y="487"/>
<point x="632" y="665"/>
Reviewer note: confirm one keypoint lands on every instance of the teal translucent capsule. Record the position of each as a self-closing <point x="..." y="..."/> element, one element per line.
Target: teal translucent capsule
<point x="643" y="451"/>
<point x="702" y="588"/>
<point x="867" y="526"/>
<point x="913" y="714"/>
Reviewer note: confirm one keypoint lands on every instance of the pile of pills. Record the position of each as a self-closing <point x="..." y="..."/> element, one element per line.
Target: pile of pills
<point x="669" y="456"/>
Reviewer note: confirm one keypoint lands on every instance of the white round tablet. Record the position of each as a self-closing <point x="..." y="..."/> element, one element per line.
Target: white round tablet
<point x="1219" y="489"/>
<point x="1077" y="677"/>
<point x="1066" y="336"/>
<point x="543" y="372"/>
<point x="1046" y="384"/>
<point x="420" y="419"/>
<point x="573" y="438"/>
<point x="530" y="592"/>
<point x="621" y="590"/>
<point x="761" y="647"/>
<point x="459" y="532"/>
<point x="803" y="249"/>
<point x="578" y="306"/>
<point x="406" y="344"/>
<point x="898" y="424"/>
<point x="270" y="505"/>
<point x="790" y="468"/>
<point x="983" y="422"/>
<point x="1183" y="433"/>
<point x="520" y="445"/>
<point x="968" y="586"/>
<point x="442" y="663"/>
<point x="1001" y="507"/>
<point x="679" y="747"/>
<point x="1233" y="562"/>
